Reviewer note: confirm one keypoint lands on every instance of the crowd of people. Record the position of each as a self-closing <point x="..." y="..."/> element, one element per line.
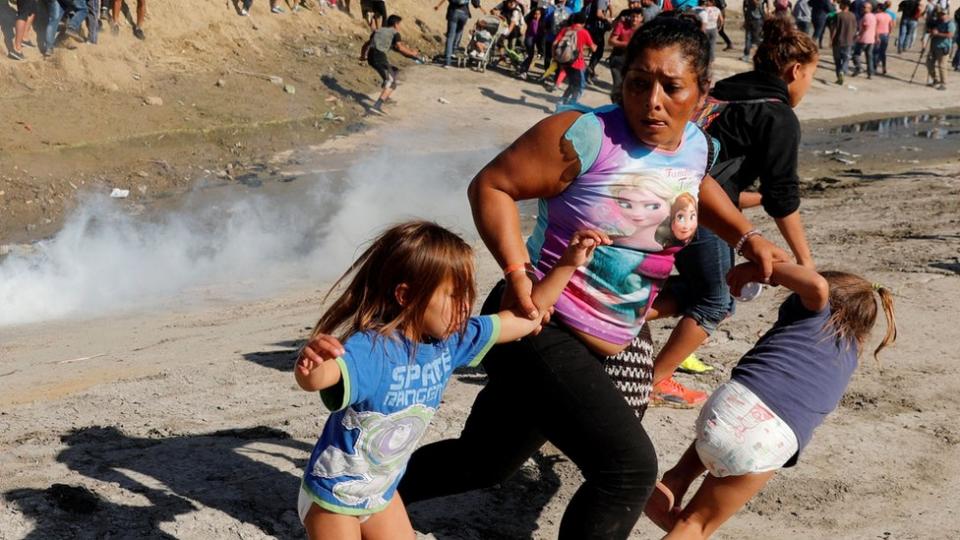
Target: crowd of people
<point x="68" y="23"/>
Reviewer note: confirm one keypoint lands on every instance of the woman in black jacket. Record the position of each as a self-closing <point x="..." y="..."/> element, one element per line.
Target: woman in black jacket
<point x="759" y="136"/>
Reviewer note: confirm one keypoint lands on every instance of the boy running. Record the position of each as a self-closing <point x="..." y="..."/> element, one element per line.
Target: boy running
<point x="375" y="50"/>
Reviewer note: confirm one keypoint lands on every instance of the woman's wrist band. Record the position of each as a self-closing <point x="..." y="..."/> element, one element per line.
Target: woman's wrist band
<point x="743" y="240"/>
<point x="511" y="268"/>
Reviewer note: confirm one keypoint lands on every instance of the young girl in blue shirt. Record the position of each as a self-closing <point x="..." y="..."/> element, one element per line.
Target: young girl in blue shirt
<point x="405" y="322"/>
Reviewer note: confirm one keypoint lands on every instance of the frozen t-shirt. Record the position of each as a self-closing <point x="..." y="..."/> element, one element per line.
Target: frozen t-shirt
<point x="643" y="197"/>
<point x="383" y="404"/>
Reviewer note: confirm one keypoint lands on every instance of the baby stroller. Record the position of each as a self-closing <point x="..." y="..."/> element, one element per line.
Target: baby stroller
<point x="482" y="44"/>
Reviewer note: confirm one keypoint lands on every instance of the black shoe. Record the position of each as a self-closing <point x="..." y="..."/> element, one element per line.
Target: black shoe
<point x="28" y="43"/>
<point x="138" y="33"/>
<point x="15" y="55"/>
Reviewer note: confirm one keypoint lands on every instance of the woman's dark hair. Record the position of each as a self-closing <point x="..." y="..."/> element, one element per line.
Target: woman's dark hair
<point x="783" y="44"/>
<point x="577" y="18"/>
<point x="392" y="20"/>
<point x="666" y="30"/>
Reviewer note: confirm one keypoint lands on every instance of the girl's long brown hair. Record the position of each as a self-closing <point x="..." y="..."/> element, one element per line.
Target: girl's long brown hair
<point x="418" y="254"/>
<point x="854" y="309"/>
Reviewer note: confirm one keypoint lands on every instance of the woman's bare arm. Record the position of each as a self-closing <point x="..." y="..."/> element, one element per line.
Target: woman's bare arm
<point x="541" y="163"/>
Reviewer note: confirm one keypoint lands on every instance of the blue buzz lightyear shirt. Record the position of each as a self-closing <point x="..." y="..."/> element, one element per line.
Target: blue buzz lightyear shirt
<point x="382" y="407"/>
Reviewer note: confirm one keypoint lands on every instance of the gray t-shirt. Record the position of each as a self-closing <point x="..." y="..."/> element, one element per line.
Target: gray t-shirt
<point x="801" y="11"/>
<point x="799" y="369"/>
<point x="385" y="39"/>
<point x="649" y="12"/>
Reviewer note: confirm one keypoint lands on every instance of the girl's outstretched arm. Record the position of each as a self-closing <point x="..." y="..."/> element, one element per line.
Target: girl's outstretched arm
<point x="548" y="290"/>
<point x="315" y="369"/>
<point x="811" y="287"/>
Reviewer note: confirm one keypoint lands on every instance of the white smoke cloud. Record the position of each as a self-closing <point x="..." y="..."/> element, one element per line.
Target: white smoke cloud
<point x="104" y="260"/>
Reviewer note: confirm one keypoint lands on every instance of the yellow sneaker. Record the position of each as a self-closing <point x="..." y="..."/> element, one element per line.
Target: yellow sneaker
<point x="692" y="364"/>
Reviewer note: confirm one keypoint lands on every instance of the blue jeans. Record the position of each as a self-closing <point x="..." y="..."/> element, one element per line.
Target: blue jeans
<point x="865" y="49"/>
<point x="908" y="30"/>
<point x="56" y="9"/>
<point x="575" y="85"/>
<point x="841" y="58"/>
<point x="819" y="25"/>
<point x="752" y="35"/>
<point x="455" y="24"/>
<point x="93" y="20"/>
<point x="701" y="288"/>
<point x="880" y="52"/>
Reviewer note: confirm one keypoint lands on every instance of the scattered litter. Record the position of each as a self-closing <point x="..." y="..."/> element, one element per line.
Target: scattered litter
<point x="331" y="99"/>
<point x="25" y="125"/>
<point x="852" y="87"/>
<point x="289" y="88"/>
<point x="118" y="193"/>
<point x="153" y="100"/>
<point x="845" y="161"/>
<point x="309" y="51"/>
<point x="836" y="152"/>
<point x="445" y="101"/>
<point x="911" y="161"/>
<point x="221" y="83"/>
<point x="276" y="80"/>
<point x="143" y="174"/>
<point x="330" y="116"/>
<point x="81" y="359"/>
<point x="911" y="148"/>
<point x="136" y="76"/>
<point x="142" y="189"/>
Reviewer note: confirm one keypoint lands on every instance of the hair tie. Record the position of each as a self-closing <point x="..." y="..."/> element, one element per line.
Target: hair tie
<point x="877" y="287"/>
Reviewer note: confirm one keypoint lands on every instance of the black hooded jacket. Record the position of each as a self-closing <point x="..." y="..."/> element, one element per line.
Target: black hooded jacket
<point x="758" y="140"/>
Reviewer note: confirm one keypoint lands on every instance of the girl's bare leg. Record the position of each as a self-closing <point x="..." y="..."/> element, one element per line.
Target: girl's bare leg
<point x="717" y="500"/>
<point x="324" y="525"/>
<point x="661" y="506"/>
<point x="391" y="523"/>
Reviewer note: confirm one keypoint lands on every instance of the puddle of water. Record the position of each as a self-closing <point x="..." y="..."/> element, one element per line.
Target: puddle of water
<point x="926" y="126"/>
<point x="915" y="139"/>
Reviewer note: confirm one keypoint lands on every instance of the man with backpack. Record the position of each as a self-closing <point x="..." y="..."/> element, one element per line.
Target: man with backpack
<point x="941" y="38"/>
<point x="568" y="53"/>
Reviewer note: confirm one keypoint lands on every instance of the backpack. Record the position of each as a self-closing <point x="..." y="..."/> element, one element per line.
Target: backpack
<point x="459" y="3"/>
<point x="566" y="50"/>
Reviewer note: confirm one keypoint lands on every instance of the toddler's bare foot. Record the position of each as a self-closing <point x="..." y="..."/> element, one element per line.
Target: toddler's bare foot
<point x="660" y="508"/>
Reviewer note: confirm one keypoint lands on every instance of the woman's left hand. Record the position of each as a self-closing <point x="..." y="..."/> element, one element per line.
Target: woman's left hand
<point x="764" y="253"/>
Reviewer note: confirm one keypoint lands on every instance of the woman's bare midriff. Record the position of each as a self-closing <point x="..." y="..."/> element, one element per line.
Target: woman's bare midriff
<point x="597" y="345"/>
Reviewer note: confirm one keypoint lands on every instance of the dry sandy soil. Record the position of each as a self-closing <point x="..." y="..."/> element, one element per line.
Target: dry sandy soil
<point x="183" y="420"/>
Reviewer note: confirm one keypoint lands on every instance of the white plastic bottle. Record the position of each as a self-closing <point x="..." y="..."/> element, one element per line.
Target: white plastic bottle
<point x="750" y="291"/>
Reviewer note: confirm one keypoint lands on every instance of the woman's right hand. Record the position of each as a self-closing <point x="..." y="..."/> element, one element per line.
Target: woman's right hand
<point x="764" y="253"/>
<point x="517" y="295"/>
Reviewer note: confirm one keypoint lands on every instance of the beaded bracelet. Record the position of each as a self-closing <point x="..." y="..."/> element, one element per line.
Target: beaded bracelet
<point x="743" y="240"/>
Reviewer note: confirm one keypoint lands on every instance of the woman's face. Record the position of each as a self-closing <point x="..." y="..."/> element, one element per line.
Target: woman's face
<point x="660" y="94"/>
<point x="799" y="78"/>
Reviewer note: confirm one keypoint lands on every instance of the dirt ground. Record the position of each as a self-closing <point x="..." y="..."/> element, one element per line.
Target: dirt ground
<point x="182" y="420"/>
